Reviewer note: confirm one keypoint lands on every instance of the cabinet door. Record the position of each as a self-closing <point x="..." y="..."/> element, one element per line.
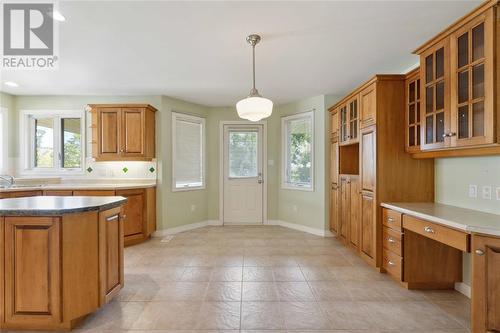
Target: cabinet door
<point x="94" y="193"/>
<point x="485" y="284"/>
<point x="110" y="253"/>
<point x="108" y="137"/>
<point x="344" y="208"/>
<point x="20" y="194"/>
<point x="334" y="162"/>
<point x="435" y="85"/>
<point x="368" y="105"/>
<point x="412" y="115"/>
<point x="344" y="124"/>
<point x="133" y="125"/>
<point x="334" y="208"/>
<point x="354" y="211"/>
<point x="32" y="270"/>
<point x="334" y="125"/>
<point x="472" y="109"/>
<point x="368" y="226"/>
<point x="133" y="211"/>
<point x="353" y="116"/>
<point x="368" y="158"/>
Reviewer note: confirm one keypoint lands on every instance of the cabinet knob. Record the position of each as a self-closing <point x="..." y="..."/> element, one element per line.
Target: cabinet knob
<point x="390" y="219"/>
<point x="479" y="252"/>
<point x="429" y="230"/>
<point x="391" y="263"/>
<point x="124" y="217"/>
<point x="452" y="134"/>
<point x="391" y="240"/>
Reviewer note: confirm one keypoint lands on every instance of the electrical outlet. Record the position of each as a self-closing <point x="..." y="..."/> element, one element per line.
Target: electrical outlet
<point x="193" y="208"/>
<point x="486" y="192"/>
<point x="472" y="191"/>
<point x="498" y="193"/>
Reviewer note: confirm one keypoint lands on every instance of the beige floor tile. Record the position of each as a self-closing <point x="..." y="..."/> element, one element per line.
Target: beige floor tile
<point x="258" y="274"/>
<point x="260" y="291"/>
<point x="364" y="291"/>
<point x="329" y="291"/>
<point x="345" y="315"/>
<point x="304" y="316"/>
<point x="169" y="315"/>
<point x="227" y="274"/>
<point x="261" y="315"/>
<point x="219" y="315"/>
<point x="458" y="310"/>
<point x="288" y="274"/>
<point x="223" y="291"/>
<point x="196" y="274"/>
<point x="317" y="273"/>
<point x="181" y="291"/>
<point x="294" y="291"/>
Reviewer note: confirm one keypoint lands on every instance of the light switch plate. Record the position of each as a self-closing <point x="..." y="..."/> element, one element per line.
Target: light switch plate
<point x="486" y="192"/>
<point x="472" y="191"/>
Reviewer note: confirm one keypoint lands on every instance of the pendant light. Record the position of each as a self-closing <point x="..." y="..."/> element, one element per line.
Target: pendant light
<point x="254" y="107"/>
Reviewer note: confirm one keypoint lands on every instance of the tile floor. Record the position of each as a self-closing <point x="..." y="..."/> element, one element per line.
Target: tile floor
<point x="258" y="278"/>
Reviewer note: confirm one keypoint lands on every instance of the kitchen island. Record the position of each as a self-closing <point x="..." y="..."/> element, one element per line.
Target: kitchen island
<point x="61" y="258"/>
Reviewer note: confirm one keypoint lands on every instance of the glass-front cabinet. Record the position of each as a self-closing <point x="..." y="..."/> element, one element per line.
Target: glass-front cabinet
<point x="349" y="122"/>
<point x="472" y="78"/>
<point x="412" y="117"/>
<point x="435" y="87"/>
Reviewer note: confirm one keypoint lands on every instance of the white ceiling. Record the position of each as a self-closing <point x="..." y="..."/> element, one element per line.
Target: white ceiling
<point x="196" y="51"/>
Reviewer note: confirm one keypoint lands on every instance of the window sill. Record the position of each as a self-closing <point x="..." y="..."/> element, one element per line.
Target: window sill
<point x="297" y="188"/>
<point x="185" y="189"/>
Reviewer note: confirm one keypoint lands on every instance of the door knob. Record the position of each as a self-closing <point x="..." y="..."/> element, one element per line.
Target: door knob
<point x="479" y="252"/>
<point x="259" y="178"/>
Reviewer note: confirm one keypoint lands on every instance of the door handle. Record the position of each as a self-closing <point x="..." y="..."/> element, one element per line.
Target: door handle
<point x="112" y="218"/>
<point x="259" y="178"/>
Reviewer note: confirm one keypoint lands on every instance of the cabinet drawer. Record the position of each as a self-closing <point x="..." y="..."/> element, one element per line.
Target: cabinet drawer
<point x="391" y="219"/>
<point x="393" y="264"/>
<point x="454" y="238"/>
<point x="392" y="241"/>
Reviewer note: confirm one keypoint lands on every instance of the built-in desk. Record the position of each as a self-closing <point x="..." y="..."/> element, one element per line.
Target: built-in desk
<point x="422" y="249"/>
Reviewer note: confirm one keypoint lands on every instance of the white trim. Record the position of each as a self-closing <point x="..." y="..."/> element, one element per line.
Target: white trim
<point x="463" y="289"/>
<point x="221" y="164"/>
<point x="4" y="150"/>
<point x="25" y="165"/>
<point x="299" y="227"/>
<point x="193" y="119"/>
<point x="187" y="227"/>
<point x="284" y="157"/>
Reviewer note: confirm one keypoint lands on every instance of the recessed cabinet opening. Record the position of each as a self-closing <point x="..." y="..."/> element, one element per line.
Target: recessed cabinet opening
<point x="349" y="159"/>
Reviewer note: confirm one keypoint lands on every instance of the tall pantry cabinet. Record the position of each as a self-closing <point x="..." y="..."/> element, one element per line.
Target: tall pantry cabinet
<point x="369" y="164"/>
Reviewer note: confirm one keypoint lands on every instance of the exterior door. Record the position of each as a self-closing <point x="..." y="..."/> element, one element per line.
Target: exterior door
<point x="243" y="178"/>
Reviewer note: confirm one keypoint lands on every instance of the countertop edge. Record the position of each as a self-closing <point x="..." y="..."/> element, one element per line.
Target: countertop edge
<point x="79" y="187"/>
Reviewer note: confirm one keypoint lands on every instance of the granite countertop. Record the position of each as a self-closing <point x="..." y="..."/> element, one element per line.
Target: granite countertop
<point x="79" y="186"/>
<point x="468" y="220"/>
<point x="55" y="206"/>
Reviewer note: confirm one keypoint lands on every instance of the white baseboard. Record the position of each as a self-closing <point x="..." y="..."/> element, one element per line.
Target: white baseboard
<point x="187" y="227"/>
<point x="309" y="230"/>
<point x="463" y="289"/>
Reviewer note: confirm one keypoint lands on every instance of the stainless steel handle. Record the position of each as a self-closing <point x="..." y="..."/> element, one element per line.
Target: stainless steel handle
<point x="479" y="252"/>
<point x="112" y="218"/>
<point x="391" y="263"/>
<point x="429" y="230"/>
<point x="390" y="219"/>
<point x="122" y="150"/>
<point x="445" y="135"/>
<point x="452" y="134"/>
<point x="391" y="240"/>
<point x="259" y="178"/>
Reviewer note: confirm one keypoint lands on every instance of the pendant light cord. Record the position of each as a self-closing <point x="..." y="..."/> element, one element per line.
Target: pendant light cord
<point x="253" y="57"/>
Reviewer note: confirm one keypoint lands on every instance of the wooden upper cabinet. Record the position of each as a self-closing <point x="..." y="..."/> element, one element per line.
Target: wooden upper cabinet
<point x="435" y="92"/>
<point x="334" y="125"/>
<point x="123" y="132"/>
<point x="472" y="56"/>
<point x="368" y="105"/>
<point x="349" y="121"/>
<point x="412" y="113"/>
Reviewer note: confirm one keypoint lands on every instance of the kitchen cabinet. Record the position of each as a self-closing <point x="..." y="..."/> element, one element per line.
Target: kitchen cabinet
<point x="334" y="192"/>
<point x="123" y="132"/>
<point x="458" y="69"/>
<point x="19" y="194"/>
<point x="412" y="112"/>
<point x="133" y="211"/>
<point x="485" y="284"/>
<point x="374" y="167"/>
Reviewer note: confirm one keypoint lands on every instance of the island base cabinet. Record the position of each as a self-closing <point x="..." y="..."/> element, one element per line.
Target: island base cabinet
<point x="485" y="284"/>
<point x="110" y="254"/>
<point x="32" y="273"/>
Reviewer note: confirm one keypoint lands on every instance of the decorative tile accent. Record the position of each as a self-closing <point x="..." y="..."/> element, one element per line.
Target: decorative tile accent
<point x="125" y="169"/>
<point x="151" y="169"/>
<point x="89" y="169"/>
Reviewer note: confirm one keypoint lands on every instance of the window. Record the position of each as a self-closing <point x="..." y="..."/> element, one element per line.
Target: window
<point x="3" y="140"/>
<point x="298" y="148"/>
<point x="188" y="152"/>
<point x="243" y="154"/>
<point x="54" y="141"/>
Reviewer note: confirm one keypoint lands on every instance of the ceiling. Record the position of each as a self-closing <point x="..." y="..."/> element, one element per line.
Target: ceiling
<point x="196" y="51"/>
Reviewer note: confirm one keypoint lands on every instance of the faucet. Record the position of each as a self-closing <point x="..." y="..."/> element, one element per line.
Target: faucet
<point x="7" y="178"/>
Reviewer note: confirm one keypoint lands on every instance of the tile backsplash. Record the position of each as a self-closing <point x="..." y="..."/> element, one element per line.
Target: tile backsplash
<point x="125" y="169"/>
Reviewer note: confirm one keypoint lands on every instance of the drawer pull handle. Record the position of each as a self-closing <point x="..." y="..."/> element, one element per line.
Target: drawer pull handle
<point x="391" y="263"/>
<point x="390" y="219"/>
<point x="112" y="218"/>
<point x="429" y="230"/>
<point x="479" y="252"/>
<point x="391" y="240"/>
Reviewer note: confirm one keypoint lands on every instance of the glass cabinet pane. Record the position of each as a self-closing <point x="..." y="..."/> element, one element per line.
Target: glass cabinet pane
<point x="478" y="42"/>
<point x="440" y="63"/>
<point x="429" y="129"/>
<point x="411" y="136"/>
<point x="411" y="114"/>
<point x="478" y="119"/>
<point x="478" y="81"/>
<point x="439" y="127"/>
<point x="429" y="98"/>
<point x="428" y="69"/>
<point x="440" y="95"/>
<point x="418" y="89"/>
<point x="418" y="113"/>
<point x="418" y="135"/>
<point x="411" y="92"/>
<point x="463" y="122"/>
<point x="463" y="86"/>
<point x="463" y="50"/>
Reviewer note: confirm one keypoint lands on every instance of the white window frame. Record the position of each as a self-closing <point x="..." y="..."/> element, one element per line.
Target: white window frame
<point x="285" y="142"/>
<point x="27" y="140"/>
<point x="4" y="165"/>
<point x="194" y="119"/>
